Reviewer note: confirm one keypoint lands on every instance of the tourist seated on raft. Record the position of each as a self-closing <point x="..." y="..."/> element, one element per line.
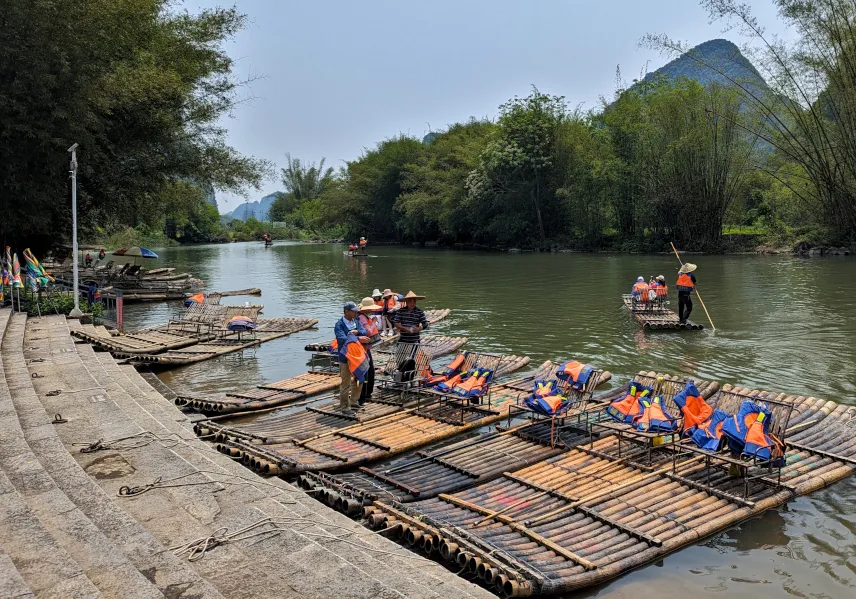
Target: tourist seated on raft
<point x="639" y="292"/>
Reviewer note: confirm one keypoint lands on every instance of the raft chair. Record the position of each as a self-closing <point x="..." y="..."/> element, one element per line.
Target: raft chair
<point x="561" y="396"/>
<point x="745" y="435"/>
<point x="462" y="393"/>
<point x="647" y="415"/>
<point x="198" y="319"/>
<point x="407" y="365"/>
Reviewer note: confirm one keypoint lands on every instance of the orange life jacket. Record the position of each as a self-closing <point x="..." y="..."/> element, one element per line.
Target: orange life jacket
<point x="661" y="291"/>
<point x="627" y="408"/>
<point x="641" y="288"/>
<point x="654" y="418"/>
<point x="685" y="283"/>
<point x="553" y="402"/>
<point x="372" y="331"/>
<point x="474" y="384"/>
<point x="696" y="411"/>
<point x="390" y="302"/>
<point x="363" y="243"/>
<point x="199" y="298"/>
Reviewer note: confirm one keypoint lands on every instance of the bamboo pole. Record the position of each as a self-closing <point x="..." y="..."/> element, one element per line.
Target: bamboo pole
<point x="697" y="293"/>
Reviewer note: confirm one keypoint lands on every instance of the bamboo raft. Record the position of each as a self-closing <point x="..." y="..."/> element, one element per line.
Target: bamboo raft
<point x="268" y="330"/>
<point x="313" y="382"/>
<point x="463" y="463"/>
<point x="587" y="515"/>
<point x="428" y="421"/>
<point x="433" y="317"/>
<point x="657" y="318"/>
<point x="281" y="425"/>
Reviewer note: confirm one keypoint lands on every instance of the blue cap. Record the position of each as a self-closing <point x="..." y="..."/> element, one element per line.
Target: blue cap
<point x="351" y="306"/>
<point x="640" y="279"/>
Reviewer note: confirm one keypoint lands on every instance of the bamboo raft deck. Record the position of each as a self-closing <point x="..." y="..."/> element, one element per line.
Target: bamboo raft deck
<point x="658" y="318"/>
<point x="309" y="383"/>
<point x="587" y="515"/>
<point x="428" y="421"/>
<point x="268" y="330"/>
<point x="433" y="317"/>
<point x="319" y="415"/>
<point x="464" y="463"/>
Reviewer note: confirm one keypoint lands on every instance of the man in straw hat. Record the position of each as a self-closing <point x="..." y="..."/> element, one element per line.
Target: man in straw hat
<point x="686" y="284"/>
<point x="349" y="389"/>
<point x="410" y="320"/>
<point x="368" y="319"/>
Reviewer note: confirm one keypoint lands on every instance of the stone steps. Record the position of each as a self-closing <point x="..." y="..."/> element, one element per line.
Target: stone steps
<point x="117" y="554"/>
<point x="12" y="584"/>
<point x="296" y="557"/>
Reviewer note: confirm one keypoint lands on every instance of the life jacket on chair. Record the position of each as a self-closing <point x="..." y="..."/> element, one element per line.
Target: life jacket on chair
<point x="653" y="417"/>
<point x="693" y="407"/>
<point x="473" y="383"/>
<point x="626" y="408"/>
<point x="748" y="432"/>
<point x="545" y="398"/>
<point x="577" y="375"/>
<point x="452" y="368"/>
<point x="708" y="434"/>
<point x="198" y="298"/>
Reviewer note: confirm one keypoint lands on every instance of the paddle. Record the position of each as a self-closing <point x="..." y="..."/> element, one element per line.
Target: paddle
<point x="674" y="249"/>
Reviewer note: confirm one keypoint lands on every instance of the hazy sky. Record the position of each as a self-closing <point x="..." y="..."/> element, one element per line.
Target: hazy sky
<point x="340" y="75"/>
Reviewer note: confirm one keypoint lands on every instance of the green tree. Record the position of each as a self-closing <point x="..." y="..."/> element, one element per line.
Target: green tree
<point x="303" y="183"/>
<point x="517" y="165"/>
<point x="140" y="85"/>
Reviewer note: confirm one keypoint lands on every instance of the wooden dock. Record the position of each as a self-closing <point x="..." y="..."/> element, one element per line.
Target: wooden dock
<point x="657" y="318"/>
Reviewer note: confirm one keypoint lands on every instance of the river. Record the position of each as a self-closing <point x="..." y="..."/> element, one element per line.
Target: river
<point x="782" y="324"/>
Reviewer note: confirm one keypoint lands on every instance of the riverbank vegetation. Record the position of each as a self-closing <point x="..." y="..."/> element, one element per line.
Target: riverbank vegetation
<point x="141" y="86"/>
<point x="663" y="160"/>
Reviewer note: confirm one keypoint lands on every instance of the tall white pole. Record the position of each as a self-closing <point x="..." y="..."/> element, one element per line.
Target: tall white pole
<point x="76" y="311"/>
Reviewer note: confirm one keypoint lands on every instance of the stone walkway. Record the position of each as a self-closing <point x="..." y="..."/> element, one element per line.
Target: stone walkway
<point x="111" y="521"/>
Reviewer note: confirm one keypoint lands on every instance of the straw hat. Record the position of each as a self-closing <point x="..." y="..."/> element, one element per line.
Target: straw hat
<point x="413" y="296"/>
<point x="687" y="267"/>
<point x="376" y="292"/>
<point x="367" y="305"/>
<point x="387" y="292"/>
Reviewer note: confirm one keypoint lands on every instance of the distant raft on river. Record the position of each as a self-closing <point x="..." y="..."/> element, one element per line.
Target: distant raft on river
<point x="655" y="315"/>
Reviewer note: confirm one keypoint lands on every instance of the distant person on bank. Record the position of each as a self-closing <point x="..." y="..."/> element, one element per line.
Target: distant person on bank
<point x="349" y="324"/>
<point x="686" y="285"/>
<point x="410" y="320"/>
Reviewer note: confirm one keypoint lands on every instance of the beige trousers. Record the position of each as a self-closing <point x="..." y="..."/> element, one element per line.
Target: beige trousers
<point x="349" y="390"/>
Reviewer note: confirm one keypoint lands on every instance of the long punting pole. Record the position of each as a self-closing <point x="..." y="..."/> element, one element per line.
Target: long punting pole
<point x="674" y="249"/>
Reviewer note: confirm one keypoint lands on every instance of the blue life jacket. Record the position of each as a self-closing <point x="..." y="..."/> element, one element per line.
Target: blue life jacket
<point x="708" y="435"/>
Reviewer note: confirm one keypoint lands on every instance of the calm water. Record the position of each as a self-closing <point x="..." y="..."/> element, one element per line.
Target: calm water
<point x="783" y="324"/>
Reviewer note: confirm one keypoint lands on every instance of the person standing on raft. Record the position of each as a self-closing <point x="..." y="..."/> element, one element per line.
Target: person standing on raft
<point x="349" y="389"/>
<point x="410" y="320"/>
<point x="369" y="321"/>
<point x="686" y="284"/>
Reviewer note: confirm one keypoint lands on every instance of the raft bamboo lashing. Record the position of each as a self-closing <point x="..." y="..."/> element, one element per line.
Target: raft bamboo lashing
<point x="657" y="318"/>
<point x="397" y="433"/>
<point x="317" y="380"/>
<point x="322" y="415"/>
<point x="227" y="343"/>
<point x="432" y="316"/>
<point x="467" y="462"/>
<point x="605" y="515"/>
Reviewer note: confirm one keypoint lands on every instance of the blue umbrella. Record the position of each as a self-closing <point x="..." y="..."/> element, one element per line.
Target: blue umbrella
<point x="136" y="252"/>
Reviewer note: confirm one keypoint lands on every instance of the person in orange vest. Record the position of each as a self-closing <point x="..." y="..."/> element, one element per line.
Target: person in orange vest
<point x="686" y="284"/>
<point x="363" y="242"/>
<point x="639" y="292"/>
<point x="369" y="318"/>
<point x="390" y="306"/>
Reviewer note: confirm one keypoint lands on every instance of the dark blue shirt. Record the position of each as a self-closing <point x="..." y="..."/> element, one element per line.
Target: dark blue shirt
<point x="410" y="318"/>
